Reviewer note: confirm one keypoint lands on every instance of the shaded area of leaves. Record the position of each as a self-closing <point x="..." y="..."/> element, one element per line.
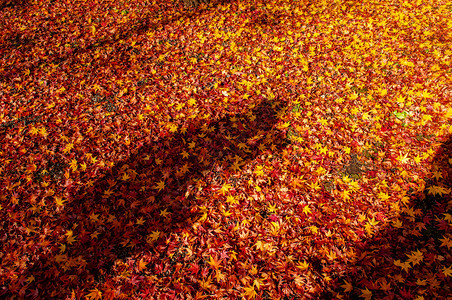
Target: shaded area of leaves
<point x="128" y="193"/>
<point x="13" y="3"/>
<point x="411" y="257"/>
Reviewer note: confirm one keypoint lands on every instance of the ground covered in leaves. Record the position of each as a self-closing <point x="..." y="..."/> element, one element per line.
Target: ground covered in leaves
<point x="242" y="149"/>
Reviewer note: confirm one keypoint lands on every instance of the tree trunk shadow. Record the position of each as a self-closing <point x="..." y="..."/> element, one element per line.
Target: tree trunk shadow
<point x="407" y="259"/>
<point x="142" y="200"/>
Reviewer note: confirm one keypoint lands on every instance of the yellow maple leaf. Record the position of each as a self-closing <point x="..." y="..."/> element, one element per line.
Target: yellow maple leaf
<point x="68" y="148"/>
<point x="150" y="238"/>
<point x="403" y="159"/>
<point x="142" y="265"/>
<point x="249" y="293"/>
<point x="345" y="195"/>
<point x="366" y="294"/>
<point x="33" y="130"/>
<point x="125" y="177"/>
<point x="415" y="257"/>
<point x="447" y="271"/>
<point x="347" y="286"/>
<point x="397" y="223"/>
<point x="303" y="265"/>
<point x="231" y="200"/>
<point x="284" y="125"/>
<point x="206" y="284"/>
<point x="43" y="131"/>
<point x="353" y="96"/>
<point x="253" y="270"/>
<point x="383" y="196"/>
<point x="160" y="185"/>
<point x="404" y="265"/>
<point x="59" y="201"/>
<point x="417" y="159"/>
<point x="214" y="262"/>
<point x="260" y="246"/>
<point x="372" y="221"/>
<point x="225" y="188"/>
<point x="164" y="213"/>
<point x="438" y="190"/>
<point x="447" y="217"/>
<point x="272" y="208"/>
<point x="258" y="282"/>
<point x="446" y="242"/>
<point x="314" y="229"/>
<point x="94" y="294"/>
<point x="275" y="228"/>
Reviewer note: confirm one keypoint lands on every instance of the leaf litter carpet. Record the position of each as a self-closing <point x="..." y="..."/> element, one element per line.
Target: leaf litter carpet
<point x="242" y="149"/>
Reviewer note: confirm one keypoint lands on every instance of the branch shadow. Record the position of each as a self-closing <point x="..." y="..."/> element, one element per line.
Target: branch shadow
<point x="386" y="264"/>
<point x="156" y="191"/>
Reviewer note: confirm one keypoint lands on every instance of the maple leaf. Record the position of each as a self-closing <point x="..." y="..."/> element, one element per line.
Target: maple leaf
<point x="438" y="190"/>
<point x="68" y="148"/>
<point x="160" y="185"/>
<point x="415" y="257"/>
<point x="231" y="199"/>
<point x="447" y="271"/>
<point x="94" y="217"/>
<point x="397" y="223"/>
<point x="164" y="213"/>
<point x="303" y="265"/>
<point x="366" y="294"/>
<point x="194" y="268"/>
<point x="307" y="209"/>
<point x="372" y="221"/>
<point x="347" y="286"/>
<point x="126" y="177"/>
<point x="225" y="188"/>
<point x="403" y="159"/>
<point x="214" y="262"/>
<point x="94" y="294"/>
<point x="272" y="208"/>
<point x="447" y="217"/>
<point x="59" y="201"/>
<point x="383" y="196"/>
<point x="249" y="292"/>
<point x="206" y="284"/>
<point x="258" y="282"/>
<point x="417" y="159"/>
<point x="345" y="195"/>
<point x="152" y="237"/>
<point x="437" y="175"/>
<point x="142" y="265"/>
<point x="405" y="265"/>
<point x="385" y="286"/>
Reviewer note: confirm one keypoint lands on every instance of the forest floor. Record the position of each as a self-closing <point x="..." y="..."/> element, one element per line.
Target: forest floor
<point x="242" y="149"/>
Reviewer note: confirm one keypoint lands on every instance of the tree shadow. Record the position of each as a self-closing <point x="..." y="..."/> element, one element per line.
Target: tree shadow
<point x="137" y="204"/>
<point x="151" y="19"/>
<point x="406" y="259"/>
<point x="13" y="4"/>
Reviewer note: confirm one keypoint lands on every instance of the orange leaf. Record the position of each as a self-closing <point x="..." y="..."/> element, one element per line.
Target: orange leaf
<point x="94" y="294"/>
